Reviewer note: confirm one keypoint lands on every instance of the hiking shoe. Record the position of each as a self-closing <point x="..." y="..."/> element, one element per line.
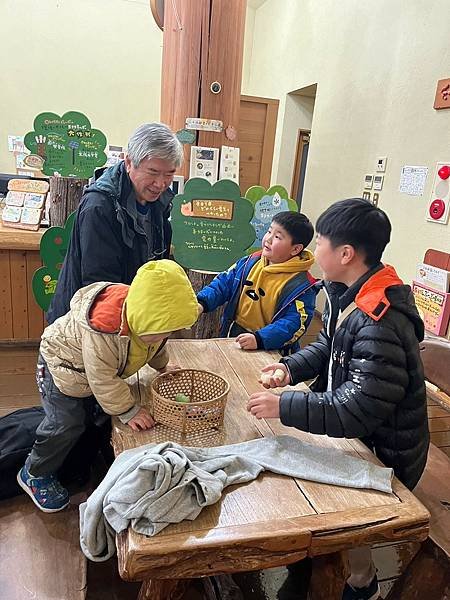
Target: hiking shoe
<point x="46" y="492"/>
<point x="370" y="592"/>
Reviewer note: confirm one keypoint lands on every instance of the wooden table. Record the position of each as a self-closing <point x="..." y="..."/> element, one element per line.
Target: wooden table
<point x="272" y="521"/>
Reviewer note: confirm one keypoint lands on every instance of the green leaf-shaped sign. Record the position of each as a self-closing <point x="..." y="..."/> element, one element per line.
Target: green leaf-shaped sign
<point x="53" y="249"/>
<point x="267" y="203"/>
<point x="68" y="144"/>
<point x="211" y="225"/>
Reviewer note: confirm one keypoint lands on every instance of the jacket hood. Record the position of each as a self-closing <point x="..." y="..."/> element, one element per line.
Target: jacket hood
<point x="112" y="181"/>
<point x="297" y="264"/>
<point x="160" y="299"/>
<point x="385" y="289"/>
<point x="105" y="313"/>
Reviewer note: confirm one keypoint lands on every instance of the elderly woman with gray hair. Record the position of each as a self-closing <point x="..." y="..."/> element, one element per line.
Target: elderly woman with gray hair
<point x="123" y="218"/>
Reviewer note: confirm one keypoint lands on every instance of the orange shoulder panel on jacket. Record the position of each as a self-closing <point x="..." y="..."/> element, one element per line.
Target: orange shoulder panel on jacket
<point x="371" y="298"/>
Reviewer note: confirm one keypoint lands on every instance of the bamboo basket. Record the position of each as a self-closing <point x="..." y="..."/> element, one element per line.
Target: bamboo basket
<point x="207" y="393"/>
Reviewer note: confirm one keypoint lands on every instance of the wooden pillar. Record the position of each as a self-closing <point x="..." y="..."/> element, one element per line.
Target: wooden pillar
<point x="65" y="194"/>
<point x="203" y="43"/>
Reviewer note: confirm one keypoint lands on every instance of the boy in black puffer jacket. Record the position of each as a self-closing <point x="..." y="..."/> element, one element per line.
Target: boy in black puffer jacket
<point x="370" y="382"/>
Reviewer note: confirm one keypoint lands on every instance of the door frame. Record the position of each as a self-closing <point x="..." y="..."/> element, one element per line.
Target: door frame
<point x="298" y="159"/>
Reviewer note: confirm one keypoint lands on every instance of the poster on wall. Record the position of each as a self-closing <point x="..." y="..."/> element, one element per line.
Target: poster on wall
<point x="229" y="163"/>
<point x="69" y="146"/>
<point x="267" y="203"/>
<point x="412" y="180"/>
<point x="211" y="225"/>
<point x="204" y="163"/>
<point x="433" y="307"/>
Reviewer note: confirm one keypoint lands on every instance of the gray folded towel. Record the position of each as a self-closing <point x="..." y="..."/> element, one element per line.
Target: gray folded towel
<point x="151" y="486"/>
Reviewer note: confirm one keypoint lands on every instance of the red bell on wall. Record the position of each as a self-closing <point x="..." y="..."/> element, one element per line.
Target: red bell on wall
<point x="444" y="172"/>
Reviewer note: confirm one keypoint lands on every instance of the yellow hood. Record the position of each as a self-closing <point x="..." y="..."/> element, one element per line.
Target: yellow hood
<point x="160" y="299"/>
<point x="297" y="264"/>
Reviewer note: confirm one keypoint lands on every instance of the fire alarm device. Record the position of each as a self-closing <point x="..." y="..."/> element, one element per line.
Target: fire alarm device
<point x="439" y="203"/>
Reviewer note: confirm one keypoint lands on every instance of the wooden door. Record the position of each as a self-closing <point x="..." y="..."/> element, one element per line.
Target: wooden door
<point x="257" y="126"/>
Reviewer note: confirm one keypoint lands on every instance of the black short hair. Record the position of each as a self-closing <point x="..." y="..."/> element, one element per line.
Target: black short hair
<point x="297" y="225"/>
<point x="360" y="224"/>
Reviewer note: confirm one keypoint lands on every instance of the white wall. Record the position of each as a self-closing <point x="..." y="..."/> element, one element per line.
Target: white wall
<point x="100" y="57"/>
<point x="298" y="114"/>
<point x="376" y="64"/>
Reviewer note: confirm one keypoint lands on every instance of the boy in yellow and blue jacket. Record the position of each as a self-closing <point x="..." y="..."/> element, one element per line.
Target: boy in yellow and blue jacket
<point x="270" y="295"/>
<point x="109" y="333"/>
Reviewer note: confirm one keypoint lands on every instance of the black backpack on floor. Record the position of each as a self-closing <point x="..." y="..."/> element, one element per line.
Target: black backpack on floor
<point x="17" y="436"/>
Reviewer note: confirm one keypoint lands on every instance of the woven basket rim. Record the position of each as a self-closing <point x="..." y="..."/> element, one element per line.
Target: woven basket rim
<point x="202" y="403"/>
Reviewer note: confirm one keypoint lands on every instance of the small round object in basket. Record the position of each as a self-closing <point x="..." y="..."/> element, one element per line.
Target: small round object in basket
<point x="190" y="400"/>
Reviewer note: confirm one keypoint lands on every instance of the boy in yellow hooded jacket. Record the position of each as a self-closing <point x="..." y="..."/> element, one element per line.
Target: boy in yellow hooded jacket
<point x="110" y="332"/>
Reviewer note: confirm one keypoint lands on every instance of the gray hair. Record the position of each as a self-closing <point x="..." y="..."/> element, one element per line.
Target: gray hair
<point x="155" y="140"/>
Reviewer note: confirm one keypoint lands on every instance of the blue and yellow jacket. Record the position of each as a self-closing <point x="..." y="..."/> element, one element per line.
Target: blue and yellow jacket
<point x="292" y="311"/>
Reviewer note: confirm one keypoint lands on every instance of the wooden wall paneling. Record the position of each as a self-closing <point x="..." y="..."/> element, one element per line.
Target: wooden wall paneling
<point x="19" y="293"/>
<point x="185" y="33"/>
<point x="222" y="62"/>
<point x="6" y="329"/>
<point x="35" y="313"/>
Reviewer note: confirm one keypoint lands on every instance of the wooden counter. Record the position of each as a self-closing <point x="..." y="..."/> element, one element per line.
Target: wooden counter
<point x="21" y="319"/>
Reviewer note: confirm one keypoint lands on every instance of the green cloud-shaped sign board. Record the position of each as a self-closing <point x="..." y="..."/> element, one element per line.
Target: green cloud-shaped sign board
<point x="267" y="203"/>
<point x="68" y="144"/>
<point x="53" y="249"/>
<point x="211" y="225"/>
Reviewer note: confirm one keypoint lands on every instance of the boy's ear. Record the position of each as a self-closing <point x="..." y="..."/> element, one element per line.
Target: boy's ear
<point x="297" y="249"/>
<point x="348" y="253"/>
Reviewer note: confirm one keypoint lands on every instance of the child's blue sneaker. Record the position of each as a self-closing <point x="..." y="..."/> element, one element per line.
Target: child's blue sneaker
<point x="370" y="592"/>
<point x="46" y="492"/>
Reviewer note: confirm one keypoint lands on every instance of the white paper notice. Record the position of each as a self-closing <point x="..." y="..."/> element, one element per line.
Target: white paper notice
<point x="412" y="180"/>
<point x="204" y="163"/>
<point x="229" y="163"/>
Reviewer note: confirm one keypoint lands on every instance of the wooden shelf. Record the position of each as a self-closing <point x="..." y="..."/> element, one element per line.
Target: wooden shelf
<point x="19" y="239"/>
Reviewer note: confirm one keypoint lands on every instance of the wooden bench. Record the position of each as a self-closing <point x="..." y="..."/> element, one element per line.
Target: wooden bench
<point x="40" y="556"/>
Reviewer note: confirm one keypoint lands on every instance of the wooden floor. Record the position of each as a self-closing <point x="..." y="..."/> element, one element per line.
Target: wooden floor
<point x="18" y="390"/>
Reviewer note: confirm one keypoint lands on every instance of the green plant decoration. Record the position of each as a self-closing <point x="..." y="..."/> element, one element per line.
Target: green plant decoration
<point x="211" y="225"/>
<point x="53" y="249"/>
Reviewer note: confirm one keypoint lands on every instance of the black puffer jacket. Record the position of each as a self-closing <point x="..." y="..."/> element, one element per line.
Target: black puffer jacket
<point x="107" y="243"/>
<point x="377" y="390"/>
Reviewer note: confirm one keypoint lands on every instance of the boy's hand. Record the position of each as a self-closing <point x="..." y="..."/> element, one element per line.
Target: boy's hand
<point x="199" y="308"/>
<point x="169" y="368"/>
<point x="247" y="341"/>
<point x="141" y="420"/>
<point x="275" y="381"/>
<point x="264" y="405"/>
